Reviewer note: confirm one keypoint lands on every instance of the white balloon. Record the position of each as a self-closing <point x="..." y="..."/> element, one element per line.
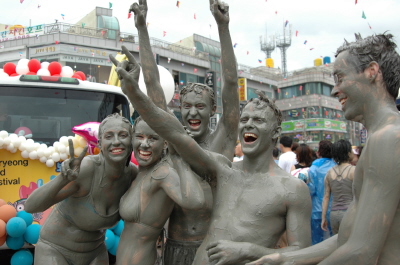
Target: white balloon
<point x="22" y="69"/>
<point x="166" y="81"/>
<point x="43" y="72"/>
<point x="63" y="156"/>
<point x="3" y="134"/>
<point x="49" y="163"/>
<point x="22" y="138"/>
<point x="16" y="142"/>
<point x="45" y="65"/>
<point x="7" y="141"/>
<point x="51" y="149"/>
<point x="55" y="157"/>
<point x="33" y="155"/>
<point x="1" y="141"/>
<point x="40" y="152"/>
<point x="36" y="146"/>
<point x="10" y="147"/>
<point x="1" y="70"/>
<point x="67" y="71"/>
<point x="30" y="147"/>
<point x="14" y="150"/>
<point x="78" y="151"/>
<point x="64" y="141"/>
<point x="23" y="62"/>
<point x="25" y="154"/>
<point x="47" y="152"/>
<point x="44" y="146"/>
<point x="62" y="148"/>
<point x="13" y="136"/>
<point x="22" y="146"/>
<point x="43" y="159"/>
<point x="82" y="142"/>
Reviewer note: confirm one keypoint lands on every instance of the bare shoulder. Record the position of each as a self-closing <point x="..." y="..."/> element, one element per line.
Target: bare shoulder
<point x="163" y="171"/>
<point x="294" y="187"/>
<point x="221" y="159"/>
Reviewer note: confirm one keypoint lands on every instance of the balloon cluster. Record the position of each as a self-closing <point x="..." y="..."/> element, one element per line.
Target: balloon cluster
<point x="34" y="67"/>
<point x="48" y="155"/>
<point x="16" y="229"/>
<point x="112" y="237"/>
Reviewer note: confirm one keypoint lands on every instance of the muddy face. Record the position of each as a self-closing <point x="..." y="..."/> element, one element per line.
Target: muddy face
<point x="196" y="110"/>
<point x="116" y="142"/>
<point x="257" y="128"/>
<point x="147" y="145"/>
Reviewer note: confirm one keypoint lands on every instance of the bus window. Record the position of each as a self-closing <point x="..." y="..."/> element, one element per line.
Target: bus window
<point x="50" y="113"/>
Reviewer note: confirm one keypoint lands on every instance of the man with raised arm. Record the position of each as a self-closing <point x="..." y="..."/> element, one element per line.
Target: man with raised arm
<point x="367" y="80"/>
<point x="254" y="202"/>
<point x="187" y="228"/>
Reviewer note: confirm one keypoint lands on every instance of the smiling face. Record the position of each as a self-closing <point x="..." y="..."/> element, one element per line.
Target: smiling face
<point x="116" y="141"/>
<point x="351" y="88"/>
<point x="148" y="145"/>
<point x="196" y="109"/>
<point x="258" y="129"/>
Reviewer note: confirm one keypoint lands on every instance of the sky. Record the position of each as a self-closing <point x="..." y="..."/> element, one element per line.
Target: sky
<point x="321" y="25"/>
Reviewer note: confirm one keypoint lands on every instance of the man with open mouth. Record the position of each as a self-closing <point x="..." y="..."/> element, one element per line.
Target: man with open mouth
<point x="187" y="228"/>
<point x="367" y="81"/>
<point x="254" y="201"/>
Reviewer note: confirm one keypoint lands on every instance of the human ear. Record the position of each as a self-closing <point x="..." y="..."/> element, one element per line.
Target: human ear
<point x="373" y="71"/>
<point x="277" y="133"/>
<point x="213" y="111"/>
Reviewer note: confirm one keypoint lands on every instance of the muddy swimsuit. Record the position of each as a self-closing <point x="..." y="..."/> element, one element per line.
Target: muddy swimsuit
<point x="76" y="222"/>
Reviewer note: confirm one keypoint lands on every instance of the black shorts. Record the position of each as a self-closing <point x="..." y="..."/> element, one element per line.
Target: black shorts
<point x="180" y="252"/>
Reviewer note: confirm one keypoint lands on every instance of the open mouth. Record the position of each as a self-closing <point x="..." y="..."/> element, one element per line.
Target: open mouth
<point x="117" y="151"/>
<point x="145" y="155"/>
<point x="194" y="123"/>
<point x="249" y="138"/>
<point x="342" y="101"/>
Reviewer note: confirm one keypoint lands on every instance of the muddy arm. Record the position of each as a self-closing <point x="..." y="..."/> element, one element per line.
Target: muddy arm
<point x="227" y="130"/>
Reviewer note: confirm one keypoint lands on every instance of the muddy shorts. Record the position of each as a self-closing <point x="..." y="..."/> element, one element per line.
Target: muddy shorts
<point x="180" y="252"/>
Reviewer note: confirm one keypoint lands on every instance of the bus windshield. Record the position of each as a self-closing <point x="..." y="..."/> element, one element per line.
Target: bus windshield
<point x="50" y="113"/>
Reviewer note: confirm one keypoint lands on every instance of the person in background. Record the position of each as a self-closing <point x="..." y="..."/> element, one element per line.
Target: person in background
<point x="287" y="158"/>
<point x="238" y="153"/>
<point x="317" y="173"/>
<point x="275" y="154"/>
<point x="338" y="182"/>
<point x="294" y="146"/>
<point x="304" y="159"/>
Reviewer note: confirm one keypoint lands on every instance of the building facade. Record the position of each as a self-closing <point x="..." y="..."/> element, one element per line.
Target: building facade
<point x="310" y="113"/>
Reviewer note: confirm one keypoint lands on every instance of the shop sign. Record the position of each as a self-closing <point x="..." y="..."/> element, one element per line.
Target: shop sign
<point x="18" y="32"/>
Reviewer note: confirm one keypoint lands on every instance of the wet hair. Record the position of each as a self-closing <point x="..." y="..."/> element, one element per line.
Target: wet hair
<point x="340" y="151"/>
<point x="381" y="49"/>
<point x="113" y="116"/>
<point x="198" y="89"/>
<point x="275" y="152"/>
<point x="295" y="145"/>
<point x="304" y="155"/>
<point x="286" y="141"/>
<point x="263" y="102"/>
<point x="325" y="149"/>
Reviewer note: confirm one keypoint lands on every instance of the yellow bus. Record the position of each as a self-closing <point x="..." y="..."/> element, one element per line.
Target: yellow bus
<point x="36" y="114"/>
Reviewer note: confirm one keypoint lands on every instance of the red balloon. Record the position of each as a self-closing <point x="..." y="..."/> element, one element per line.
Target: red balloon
<point x="57" y="42"/>
<point x="14" y="74"/>
<point x="82" y="74"/>
<point x="55" y="68"/>
<point x="77" y="76"/>
<point x="9" y="68"/>
<point x="30" y="73"/>
<point x="133" y="159"/>
<point x="34" y="65"/>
